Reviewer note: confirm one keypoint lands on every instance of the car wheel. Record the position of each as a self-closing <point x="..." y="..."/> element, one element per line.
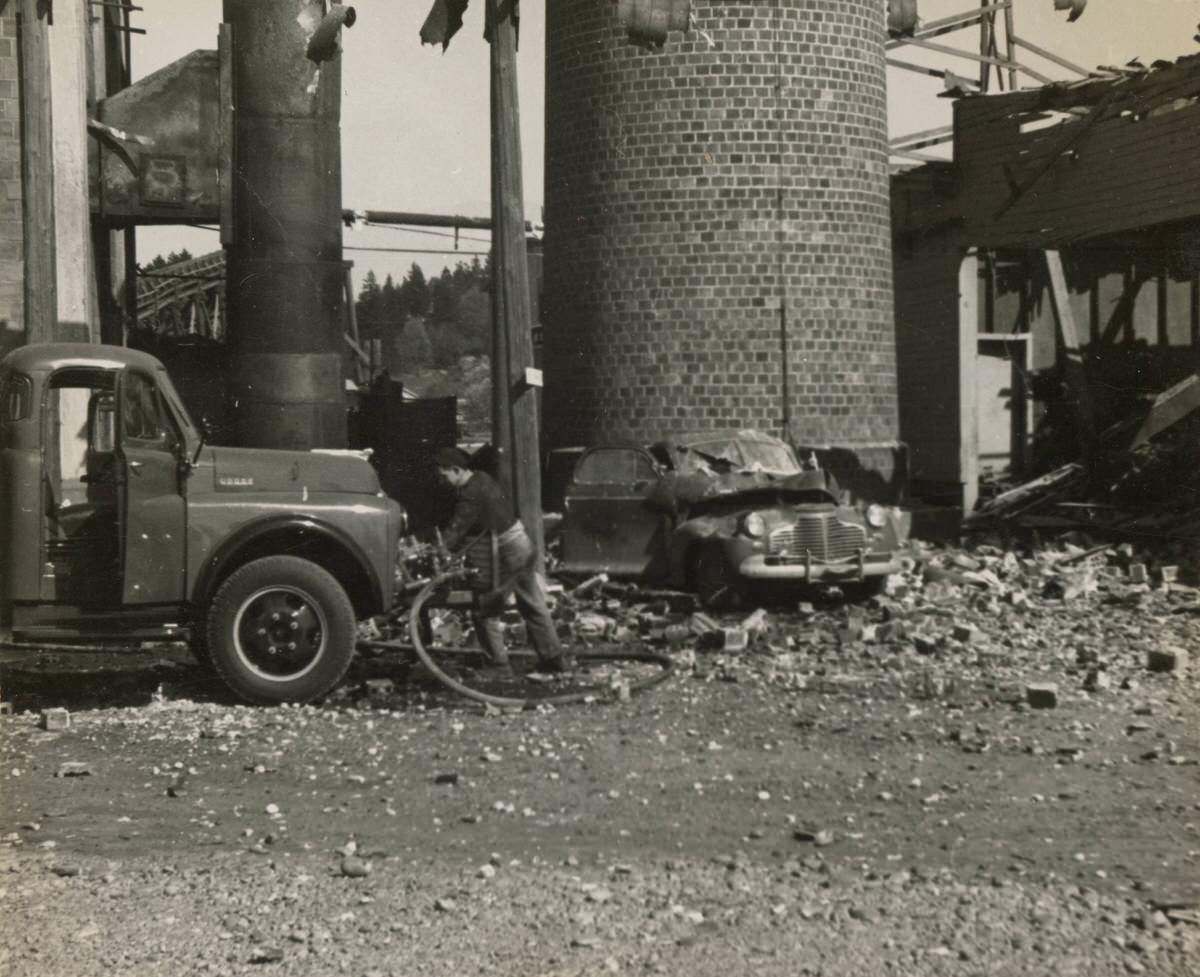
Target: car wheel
<point x="715" y="581"/>
<point x="281" y="629"/>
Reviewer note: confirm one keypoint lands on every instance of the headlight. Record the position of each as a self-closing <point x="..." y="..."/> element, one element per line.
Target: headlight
<point x="753" y="525"/>
<point x="876" y="516"/>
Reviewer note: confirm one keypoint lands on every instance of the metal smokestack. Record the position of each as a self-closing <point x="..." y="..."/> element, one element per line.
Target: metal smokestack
<point x="284" y="256"/>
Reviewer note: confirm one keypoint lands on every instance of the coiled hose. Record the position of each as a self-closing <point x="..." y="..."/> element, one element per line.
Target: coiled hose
<point x="511" y="702"/>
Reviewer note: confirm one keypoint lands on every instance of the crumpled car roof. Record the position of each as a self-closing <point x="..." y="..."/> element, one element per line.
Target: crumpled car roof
<point x="753" y="461"/>
<point x="745" y="450"/>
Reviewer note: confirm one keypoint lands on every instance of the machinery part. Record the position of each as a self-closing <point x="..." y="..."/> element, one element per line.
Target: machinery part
<point x="511" y="702"/>
<point x="281" y="629"/>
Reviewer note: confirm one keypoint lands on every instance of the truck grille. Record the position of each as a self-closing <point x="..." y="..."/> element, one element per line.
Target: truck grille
<point x="823" y="536"/>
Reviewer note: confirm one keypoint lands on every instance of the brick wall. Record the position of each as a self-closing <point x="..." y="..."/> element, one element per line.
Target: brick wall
<point x="688" y="194"/>
<point x="12" y="265"/>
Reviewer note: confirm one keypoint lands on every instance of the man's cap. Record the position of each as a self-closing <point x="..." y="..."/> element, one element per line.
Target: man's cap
<point x="451" y="458"/>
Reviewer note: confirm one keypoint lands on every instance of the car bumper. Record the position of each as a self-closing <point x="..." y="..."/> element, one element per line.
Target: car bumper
<point x="762" y="567"/>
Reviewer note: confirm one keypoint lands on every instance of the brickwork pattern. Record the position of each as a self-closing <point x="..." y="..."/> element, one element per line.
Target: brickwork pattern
<point x="690" y="192"/>
<point x="12" y="263"/>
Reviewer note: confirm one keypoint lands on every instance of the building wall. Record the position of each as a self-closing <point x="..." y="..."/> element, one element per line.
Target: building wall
<point x="12" y="264"/>
<point x="928" y="360"/>
<point x="717" y="227"/>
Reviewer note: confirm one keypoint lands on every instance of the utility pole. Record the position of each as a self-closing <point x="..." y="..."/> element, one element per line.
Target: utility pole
<point x="77" y="320"/>
<point x="514" y="388"/>
<point x="37" y="173"/>
<point x="114" y="249"/>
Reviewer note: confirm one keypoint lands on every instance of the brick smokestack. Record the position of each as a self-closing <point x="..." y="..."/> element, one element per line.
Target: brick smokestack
<point x="717" y="238"/>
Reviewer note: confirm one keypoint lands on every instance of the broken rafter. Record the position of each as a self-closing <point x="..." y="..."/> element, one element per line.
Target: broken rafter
<point x="932" y="72"/>
<point x="935" y="28"/>
<point x="919" y="157"/>
<point x="981" y="59"/>
<point x="1048" y="55"/>
<point x="919" y="140"/>
<point x="1079" y="130"/>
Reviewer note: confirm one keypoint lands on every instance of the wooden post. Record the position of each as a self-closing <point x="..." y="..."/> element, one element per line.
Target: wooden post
<point x="987" y="26"/>
<point x="37" y="174"/>
<point x="968" y="375"/>
<point x="1011" y="47"/>
<point x="110" y="74"/>
<point x="76" y="284"/>
<point x="515" y="423"/>
<point x="1060" y="299"/>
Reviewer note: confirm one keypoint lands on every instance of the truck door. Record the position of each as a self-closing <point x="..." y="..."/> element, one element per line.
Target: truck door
<point x="607" y="524"/>
<point x="150" y="456"/>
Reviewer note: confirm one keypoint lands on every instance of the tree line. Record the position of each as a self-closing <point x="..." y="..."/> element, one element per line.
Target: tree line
<point x="435" y="333"/>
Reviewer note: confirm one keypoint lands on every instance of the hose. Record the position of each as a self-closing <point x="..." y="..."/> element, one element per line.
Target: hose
<point x="511" y="702"/>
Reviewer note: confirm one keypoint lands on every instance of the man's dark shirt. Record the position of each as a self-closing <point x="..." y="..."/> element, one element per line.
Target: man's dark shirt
<point x="482" y="508"/>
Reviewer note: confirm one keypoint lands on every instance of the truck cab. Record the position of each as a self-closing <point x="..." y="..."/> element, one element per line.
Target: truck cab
<point x="118" y="522"/>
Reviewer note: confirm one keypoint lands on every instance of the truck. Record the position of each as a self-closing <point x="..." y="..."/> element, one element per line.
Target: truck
<point x="120" y="524"/>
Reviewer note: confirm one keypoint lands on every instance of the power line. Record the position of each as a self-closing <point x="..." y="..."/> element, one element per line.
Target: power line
<point x="347" y="247"/>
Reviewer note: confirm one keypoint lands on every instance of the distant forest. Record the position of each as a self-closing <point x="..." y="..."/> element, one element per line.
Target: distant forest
<point x="435" y="334"/>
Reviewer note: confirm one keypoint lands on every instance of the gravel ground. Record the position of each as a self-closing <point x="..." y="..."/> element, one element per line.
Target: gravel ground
<point x="861" y="791"/>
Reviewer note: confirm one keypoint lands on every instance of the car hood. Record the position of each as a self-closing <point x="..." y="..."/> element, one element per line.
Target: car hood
<point x="262" y="470"/>
<point x="685" y="489"/>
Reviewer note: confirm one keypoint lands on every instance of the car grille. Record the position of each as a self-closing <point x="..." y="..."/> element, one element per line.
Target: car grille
<point x="823" y="536"/>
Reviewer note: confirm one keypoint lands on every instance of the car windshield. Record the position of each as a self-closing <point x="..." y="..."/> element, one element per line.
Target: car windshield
<point x="746" y="455"/>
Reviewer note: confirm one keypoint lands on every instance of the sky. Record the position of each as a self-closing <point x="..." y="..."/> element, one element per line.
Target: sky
<point x="415" y="120"/>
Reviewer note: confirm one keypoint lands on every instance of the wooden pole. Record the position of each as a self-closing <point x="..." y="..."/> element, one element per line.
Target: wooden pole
<point x="1076" y="375"/>
<point x="76" y="284"/>
<point x="110" y="74"/>
<point x="986" y="26"/>
<point x="37" y="174"/>
<point x="515" y="423"/>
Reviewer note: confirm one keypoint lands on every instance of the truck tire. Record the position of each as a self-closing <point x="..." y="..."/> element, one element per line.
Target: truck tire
<point x="280" y="629"/>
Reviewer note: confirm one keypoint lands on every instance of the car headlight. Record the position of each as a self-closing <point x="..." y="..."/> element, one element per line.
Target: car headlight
<point x="876" y="516"/>
<point x="753" y="525"/>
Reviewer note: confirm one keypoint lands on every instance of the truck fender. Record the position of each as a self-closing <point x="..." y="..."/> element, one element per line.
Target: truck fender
<point x="303" y="534"/>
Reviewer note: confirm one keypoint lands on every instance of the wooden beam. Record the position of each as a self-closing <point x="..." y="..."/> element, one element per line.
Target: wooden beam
<point x="515" y="421"/>
<point x="921" y="69"/>
<point x="968" y="376"/>
<point x="110" y="74"/>
<point x="1064" y="316"/>
<point x="1076" y="132"/>
<point x="921" y="143"/>
<point x="1048" y="55"/>
<point x="946" y="25"/>
<point x="37" y="174"/>
<point x="76" y="283"/>
<point x="1001" y="62"/>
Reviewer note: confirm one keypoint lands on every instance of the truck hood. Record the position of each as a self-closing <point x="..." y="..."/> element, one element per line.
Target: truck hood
<point x="265" y="470"/>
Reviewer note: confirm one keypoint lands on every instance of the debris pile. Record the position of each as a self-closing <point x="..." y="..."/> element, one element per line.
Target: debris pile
<point x="1024" y="624"/>
<point x="1142" y="482"/>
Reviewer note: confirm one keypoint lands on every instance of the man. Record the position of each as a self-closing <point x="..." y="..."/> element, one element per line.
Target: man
<point x="497" y="546"/>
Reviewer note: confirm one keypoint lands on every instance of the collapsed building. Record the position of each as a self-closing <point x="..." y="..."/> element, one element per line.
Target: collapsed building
<point x="1048" y="277"/>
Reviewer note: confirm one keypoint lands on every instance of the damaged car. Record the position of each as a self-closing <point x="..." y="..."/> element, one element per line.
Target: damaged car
<point x="717" y="514"/>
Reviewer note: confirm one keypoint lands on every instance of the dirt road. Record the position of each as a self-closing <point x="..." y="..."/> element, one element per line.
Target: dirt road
<point x="818" y="804"/>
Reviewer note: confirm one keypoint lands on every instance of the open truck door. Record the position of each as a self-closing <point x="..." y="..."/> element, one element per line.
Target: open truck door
<point x="152" y="467"/>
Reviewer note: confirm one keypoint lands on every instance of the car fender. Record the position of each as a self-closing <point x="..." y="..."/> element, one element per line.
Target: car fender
<point x="306" y="531"/>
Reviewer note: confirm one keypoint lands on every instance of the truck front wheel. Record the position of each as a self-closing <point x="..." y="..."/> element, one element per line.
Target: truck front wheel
<point x="280" y="629"/>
